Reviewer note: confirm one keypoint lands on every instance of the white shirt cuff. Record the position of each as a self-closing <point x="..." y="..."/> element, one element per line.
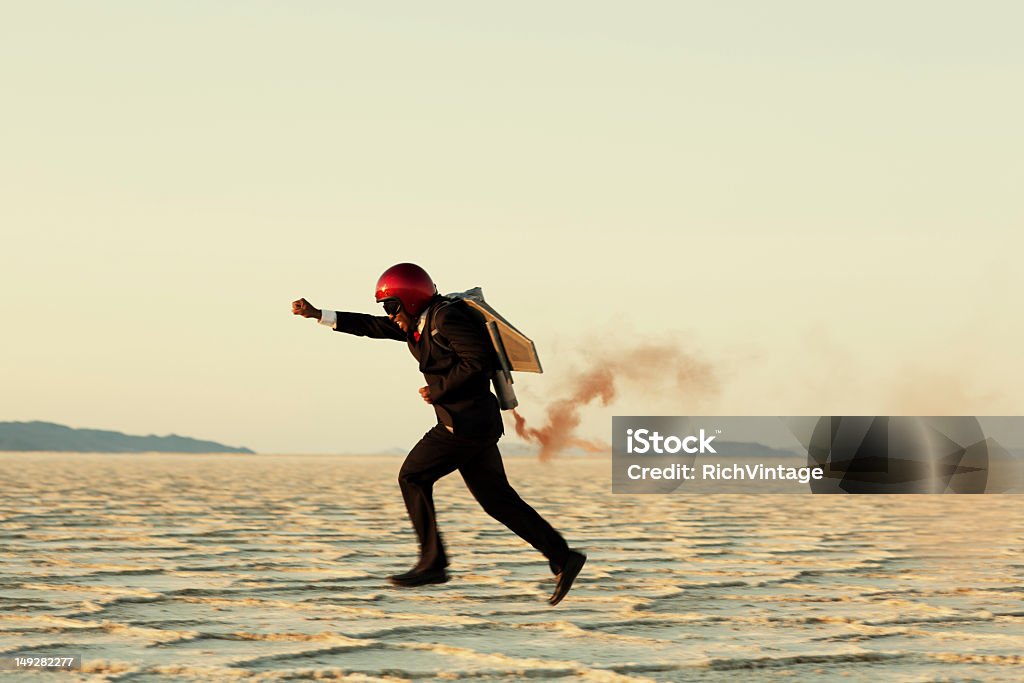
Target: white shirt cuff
<point x="329" y="318"/>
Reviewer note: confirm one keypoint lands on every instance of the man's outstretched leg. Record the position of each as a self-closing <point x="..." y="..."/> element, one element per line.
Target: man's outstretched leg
<point x="429" y="460"/>
<point x="485" y="476"/>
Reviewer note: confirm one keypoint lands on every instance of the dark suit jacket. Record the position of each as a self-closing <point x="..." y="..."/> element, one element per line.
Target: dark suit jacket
<point x="456" y="358"/>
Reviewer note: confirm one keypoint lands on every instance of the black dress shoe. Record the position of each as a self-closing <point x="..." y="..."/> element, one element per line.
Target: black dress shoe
<point x="419" y="577"/>
<point x="405" y="575"/>
<point x="572" y="567"/>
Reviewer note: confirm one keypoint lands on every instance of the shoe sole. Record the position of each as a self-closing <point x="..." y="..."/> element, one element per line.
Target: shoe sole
<point x="416" y="584"/>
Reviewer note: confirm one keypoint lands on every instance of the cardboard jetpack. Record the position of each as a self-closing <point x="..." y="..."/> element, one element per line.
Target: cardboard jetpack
<point x="514" y="349"/>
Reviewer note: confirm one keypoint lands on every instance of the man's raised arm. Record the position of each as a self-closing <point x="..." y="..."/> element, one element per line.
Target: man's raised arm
<point x="359" y="324"/>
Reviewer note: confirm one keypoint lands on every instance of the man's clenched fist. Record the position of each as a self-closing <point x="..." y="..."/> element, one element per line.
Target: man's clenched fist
<point x="305" y="309"/>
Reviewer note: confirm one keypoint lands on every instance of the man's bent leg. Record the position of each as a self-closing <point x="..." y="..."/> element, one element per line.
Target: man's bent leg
<point x="485" y="476"/>
<point x="429" y="460"/>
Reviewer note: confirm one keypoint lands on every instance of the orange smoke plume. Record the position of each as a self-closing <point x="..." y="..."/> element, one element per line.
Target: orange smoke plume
<point x="653" y="366"/>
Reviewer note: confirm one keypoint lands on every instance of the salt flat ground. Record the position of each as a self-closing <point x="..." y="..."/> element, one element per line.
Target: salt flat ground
<point x="224" y="567"/>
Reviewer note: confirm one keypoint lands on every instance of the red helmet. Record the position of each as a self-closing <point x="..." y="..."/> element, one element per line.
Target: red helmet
<point x="408" y="284"/>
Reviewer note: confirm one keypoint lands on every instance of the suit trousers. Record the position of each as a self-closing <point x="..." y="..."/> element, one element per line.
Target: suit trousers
<point x="440" y="453"/>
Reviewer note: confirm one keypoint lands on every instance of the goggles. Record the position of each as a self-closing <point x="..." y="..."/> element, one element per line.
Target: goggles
<point x="392" y="306"/>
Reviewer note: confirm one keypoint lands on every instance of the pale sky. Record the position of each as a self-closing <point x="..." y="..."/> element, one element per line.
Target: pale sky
<point x="823" y="200"/>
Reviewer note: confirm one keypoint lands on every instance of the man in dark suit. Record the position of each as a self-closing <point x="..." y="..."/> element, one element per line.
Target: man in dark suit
<point x="457" y="359"/>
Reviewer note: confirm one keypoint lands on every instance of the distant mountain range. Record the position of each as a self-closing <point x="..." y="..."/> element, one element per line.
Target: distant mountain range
<point x="47" y="436"/>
